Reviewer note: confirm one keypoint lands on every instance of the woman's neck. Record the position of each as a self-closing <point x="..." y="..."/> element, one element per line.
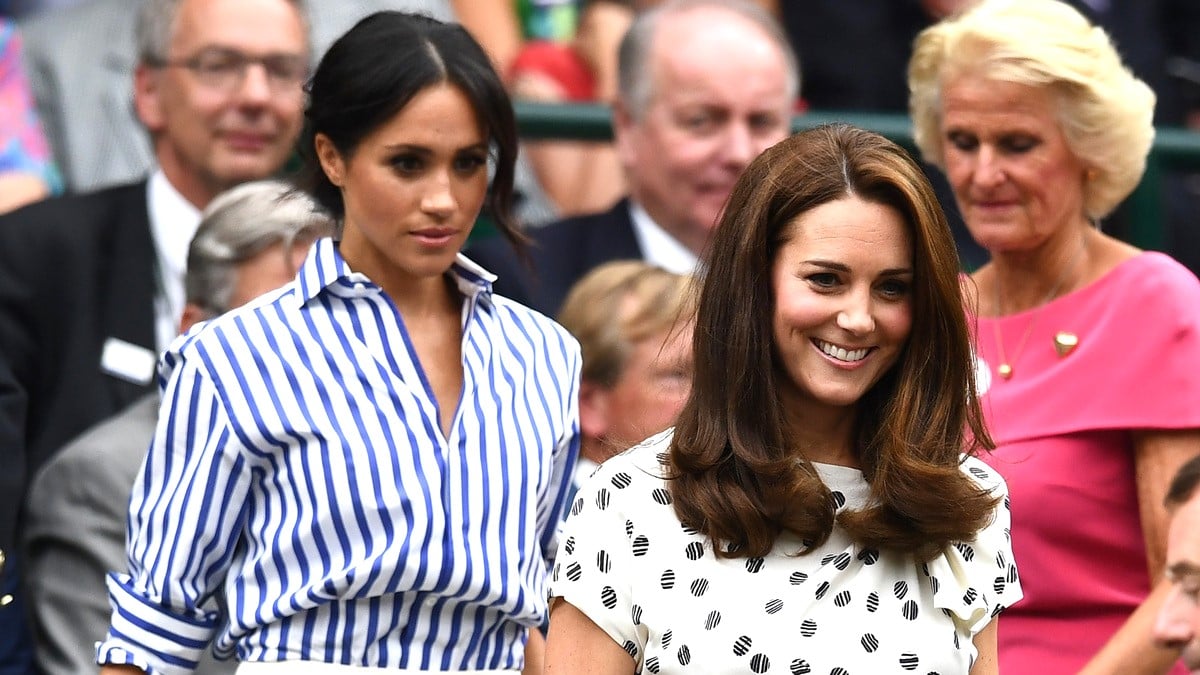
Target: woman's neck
<point x="1023" y="280"/>
<point x="826" y="435"/>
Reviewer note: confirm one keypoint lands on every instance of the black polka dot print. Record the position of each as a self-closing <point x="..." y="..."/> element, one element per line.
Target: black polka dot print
<point x="676" y="607"/>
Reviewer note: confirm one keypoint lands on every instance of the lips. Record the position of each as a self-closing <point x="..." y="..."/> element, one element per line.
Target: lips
<point x="435" y="236"/>
<point x="247" y="141"/>
<point x="841" y="353"/>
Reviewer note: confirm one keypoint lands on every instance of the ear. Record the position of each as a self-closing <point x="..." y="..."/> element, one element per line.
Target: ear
<point x="331" y="160"/>
<point x="624" y="133"/>
<point x="192" y="315"/>
<point x="147" y="97"/>
<point x="593" y="410"/>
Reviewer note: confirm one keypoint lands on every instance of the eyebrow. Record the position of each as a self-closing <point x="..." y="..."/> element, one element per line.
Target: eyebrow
<point x="421" y="149"/>
<point x="1183" y="569"/>
<point x="840" y="267"/>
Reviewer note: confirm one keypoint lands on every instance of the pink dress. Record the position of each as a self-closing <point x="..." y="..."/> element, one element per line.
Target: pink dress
<point x="1062" y="425"/>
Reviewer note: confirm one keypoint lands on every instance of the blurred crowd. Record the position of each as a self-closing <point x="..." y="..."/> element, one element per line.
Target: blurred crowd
<point x="150" y="155"/>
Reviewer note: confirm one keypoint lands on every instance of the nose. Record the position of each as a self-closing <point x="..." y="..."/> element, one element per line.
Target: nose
<point x="256" y="85"/>
<point x="989" y="171"/>
<point x="1174" y="625"/>
<point x="438" y="200"/>
<point x="856" y="316"/>
<point x="740" y="148"/>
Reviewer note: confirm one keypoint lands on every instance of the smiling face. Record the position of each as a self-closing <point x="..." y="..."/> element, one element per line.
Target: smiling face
<point x="207" y="137"/>
<point x="1016" y="181"/>
<point x="412" y="188"/>
<point x="842" y="285"/>
<point x="719" y="98"/>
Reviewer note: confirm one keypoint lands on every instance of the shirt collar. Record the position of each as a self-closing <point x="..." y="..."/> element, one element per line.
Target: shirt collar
<point x="173" y="220"/>
<point x="325" y="268"/>
<point x="659" y="247"/>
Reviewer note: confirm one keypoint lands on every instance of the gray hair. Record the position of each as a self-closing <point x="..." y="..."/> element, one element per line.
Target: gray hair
<point x="635" y="79"/>
<point x="156" y="28"/>
<point x="240" y="223"/>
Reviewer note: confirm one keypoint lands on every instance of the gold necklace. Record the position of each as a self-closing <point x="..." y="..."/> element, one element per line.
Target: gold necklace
<point x="1005" y="368"/>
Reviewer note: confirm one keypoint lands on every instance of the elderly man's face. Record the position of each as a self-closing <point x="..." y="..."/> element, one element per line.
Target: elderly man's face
<point x="227" y="106"/>
<point x="720" y="97"/>
<point x="1178" y="622"/>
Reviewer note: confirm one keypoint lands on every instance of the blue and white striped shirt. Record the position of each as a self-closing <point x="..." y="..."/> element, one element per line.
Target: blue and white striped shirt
<point x="299" y="475"/>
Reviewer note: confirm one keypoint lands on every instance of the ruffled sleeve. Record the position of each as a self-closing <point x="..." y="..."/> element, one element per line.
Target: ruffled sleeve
<point x="976" y="580"/>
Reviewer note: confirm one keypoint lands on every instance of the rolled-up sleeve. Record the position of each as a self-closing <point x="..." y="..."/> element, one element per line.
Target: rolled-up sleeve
<point x="185" y="517"/>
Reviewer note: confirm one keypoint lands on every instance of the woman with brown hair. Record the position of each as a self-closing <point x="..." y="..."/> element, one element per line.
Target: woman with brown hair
<point x="817" y="506"/>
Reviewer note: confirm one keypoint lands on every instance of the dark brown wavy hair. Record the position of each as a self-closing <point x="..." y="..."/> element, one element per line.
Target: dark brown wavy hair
<point x="736" y="476"/>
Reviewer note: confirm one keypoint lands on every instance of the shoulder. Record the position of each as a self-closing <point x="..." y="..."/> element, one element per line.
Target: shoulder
<point x="106" y="455"/>
<point x="227" y="334"/>
<point x="510" y="314"/>
<point x="1151" y="283"/>
<point x="983" y="475"/>
<point x="644" y="463"/>
<point x="583" y="227"/>
<point x="73" y="225"/>
<point x="73" y="211"/>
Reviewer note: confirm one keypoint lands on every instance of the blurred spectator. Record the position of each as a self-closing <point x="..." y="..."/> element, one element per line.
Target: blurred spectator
<point x="26" y="172"/>
<point x="251" y="240"/>
<point x="91" y="285"/>
<point x="81" y="60"/>
<point x="705" y="86"/>
<point x="634" y="323"/>
<point x="579" y="177"/>
<point x="1178" y="622"/>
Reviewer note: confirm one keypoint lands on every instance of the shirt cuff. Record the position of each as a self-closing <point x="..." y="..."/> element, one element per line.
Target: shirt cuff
<point x="149" y="636"/>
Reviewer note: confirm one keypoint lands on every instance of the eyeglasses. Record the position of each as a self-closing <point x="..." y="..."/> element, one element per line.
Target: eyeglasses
<point x="225" y="69"/>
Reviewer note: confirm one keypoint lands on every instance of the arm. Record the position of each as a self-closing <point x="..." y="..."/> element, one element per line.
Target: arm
<point x="577" y="646"/>
<point x="18" y="188"/>
<point x="986" y="662"/>
<point x="494" y="25"/>
<point x="535" y="653"/>
<point x="1157" y="456"/>
<point x="185" y="518"/>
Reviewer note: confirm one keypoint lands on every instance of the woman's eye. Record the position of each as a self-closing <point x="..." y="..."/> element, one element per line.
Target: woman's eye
<point x="407" y="163"/>
<point x="1019" y="144"/>
<point x="894" y="288"/>
<point x="823" y="279"/>
<point x="963" y="142"/>
<point x="469" y="163"/>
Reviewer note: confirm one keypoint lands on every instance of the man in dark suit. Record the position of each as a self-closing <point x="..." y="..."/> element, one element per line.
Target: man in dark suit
<point x="705" y="86"/>
<point x="91" y="286"/>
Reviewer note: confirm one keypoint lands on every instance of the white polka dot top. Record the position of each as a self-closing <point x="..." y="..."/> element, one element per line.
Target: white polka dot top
<point x="659" y="591"/>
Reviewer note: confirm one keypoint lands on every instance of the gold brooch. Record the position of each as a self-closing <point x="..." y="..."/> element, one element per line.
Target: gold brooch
<point x="1065" y="343"/>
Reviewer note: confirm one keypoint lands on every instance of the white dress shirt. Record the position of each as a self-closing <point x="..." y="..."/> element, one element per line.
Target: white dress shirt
<point x="173" y="223"/>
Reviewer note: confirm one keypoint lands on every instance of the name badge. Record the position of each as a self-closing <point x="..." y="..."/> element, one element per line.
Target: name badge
<point x="128" y="361"/>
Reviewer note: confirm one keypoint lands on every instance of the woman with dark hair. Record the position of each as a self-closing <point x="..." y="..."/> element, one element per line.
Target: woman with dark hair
<point x="817" y="506"/>
<point x="366" y="468"/>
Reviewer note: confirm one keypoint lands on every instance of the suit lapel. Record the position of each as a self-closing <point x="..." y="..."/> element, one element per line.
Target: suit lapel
<point x="128" y="298"/>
